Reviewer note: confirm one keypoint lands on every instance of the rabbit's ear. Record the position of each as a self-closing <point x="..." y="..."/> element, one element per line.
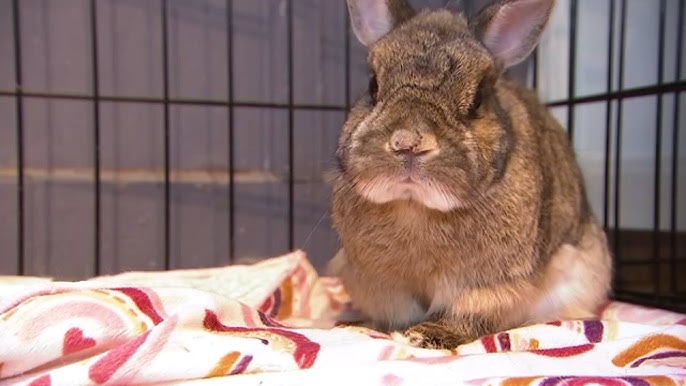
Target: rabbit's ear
<point x="510" y="29"/>
<point x="372" y="19"/>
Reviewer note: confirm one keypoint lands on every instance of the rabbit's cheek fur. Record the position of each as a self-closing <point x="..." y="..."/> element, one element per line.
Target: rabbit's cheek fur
<point x="382" y="190"/>
<point x="417" y="154"/>
<point x="490" y="154"/>
<point x="381" y="176"/>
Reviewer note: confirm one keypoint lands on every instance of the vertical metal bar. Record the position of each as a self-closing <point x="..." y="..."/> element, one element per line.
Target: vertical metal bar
<point x="675" y="157"/>
<point x="291" y="142"/>
<point x="165" y="84"/>
<point x="347" y="57"/>
<point x="658" y="154"/>
<point x="96" y="135"/>
<point x="608" y="113"/>
<point x="618" y="135"/>
<point x="19" y="106"/>
<point x="571" y="71"/>
<point x="230" y="145"/>
<point x="534" y="71"/>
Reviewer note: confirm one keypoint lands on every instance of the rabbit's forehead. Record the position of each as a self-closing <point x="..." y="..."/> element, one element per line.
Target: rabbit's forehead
<point x="430" y="60"/>
<point x="429" y="49"/>
<point x="456" y="68"/>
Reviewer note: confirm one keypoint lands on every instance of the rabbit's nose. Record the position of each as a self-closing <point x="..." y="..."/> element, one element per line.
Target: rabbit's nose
<point x="412" y="143"/>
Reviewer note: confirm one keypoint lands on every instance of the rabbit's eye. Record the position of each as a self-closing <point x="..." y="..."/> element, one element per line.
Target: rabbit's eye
<point x="476" y="103"/>
<point x="373" y="88"/>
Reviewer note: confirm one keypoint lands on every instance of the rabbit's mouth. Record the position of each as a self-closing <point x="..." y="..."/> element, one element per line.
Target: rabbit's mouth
<point x="431" y="194"/>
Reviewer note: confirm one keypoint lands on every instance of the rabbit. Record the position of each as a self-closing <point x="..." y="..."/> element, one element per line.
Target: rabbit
<point x="459" y="204"/>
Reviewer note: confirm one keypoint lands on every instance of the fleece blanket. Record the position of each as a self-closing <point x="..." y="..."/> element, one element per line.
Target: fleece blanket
<point x="277" y="323"/>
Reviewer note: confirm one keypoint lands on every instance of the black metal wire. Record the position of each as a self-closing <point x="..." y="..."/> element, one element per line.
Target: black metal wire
<point x="291" y="143"/>
<point x="19" y="111"/>
<point x="657" y="191"/>
<point x="665" y="88"/>
<point x="534" y="63"/>
<point x="165" y="102"/>
<point x="608" y="113"/>
<point x="231" y="121"/>
<point x="174" y="101"/>
<point x="618" y="140"/>
<point x="608" y="130"/>
<point x="675" y="157"/>
<point x="646" y="261"/>
<point x="347" y="57"/>
<point x="96" y="135"/>
<point x="571" y="72"/>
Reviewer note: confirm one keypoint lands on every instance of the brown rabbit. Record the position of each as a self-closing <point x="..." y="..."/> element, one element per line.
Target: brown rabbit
<point x="460" y="205"/>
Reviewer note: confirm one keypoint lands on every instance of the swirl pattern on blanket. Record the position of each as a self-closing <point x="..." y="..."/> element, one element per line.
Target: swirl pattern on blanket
<point x="277" y="317"/>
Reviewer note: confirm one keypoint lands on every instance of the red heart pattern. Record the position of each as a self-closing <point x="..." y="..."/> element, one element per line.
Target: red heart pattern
<point x="74" y="341"/>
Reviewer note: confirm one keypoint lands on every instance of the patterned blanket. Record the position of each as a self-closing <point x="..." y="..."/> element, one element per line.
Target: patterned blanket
<point x="277" y="322"/>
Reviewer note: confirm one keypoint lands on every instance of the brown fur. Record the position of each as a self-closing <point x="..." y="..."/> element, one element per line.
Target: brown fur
<point x="517" y="208"/>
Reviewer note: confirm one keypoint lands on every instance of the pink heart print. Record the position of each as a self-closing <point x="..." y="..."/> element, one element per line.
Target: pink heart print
<point x="74" y="341"/>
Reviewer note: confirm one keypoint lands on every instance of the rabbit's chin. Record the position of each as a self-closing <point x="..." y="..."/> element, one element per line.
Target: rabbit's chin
<point x="382" y="190"/>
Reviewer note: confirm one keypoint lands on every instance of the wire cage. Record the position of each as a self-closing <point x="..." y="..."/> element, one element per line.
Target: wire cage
<point x="186" y="133"/>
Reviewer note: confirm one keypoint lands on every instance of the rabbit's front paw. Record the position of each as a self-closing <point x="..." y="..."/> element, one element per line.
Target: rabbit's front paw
<point x="435" y="336"/>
